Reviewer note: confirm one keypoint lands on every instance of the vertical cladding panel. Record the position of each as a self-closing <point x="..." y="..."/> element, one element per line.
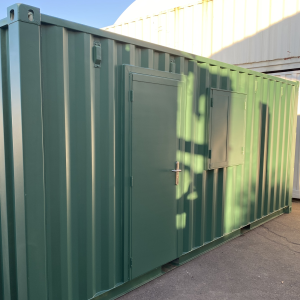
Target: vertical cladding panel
<point x="197" y="34"/>
<point x="25" y="88"/>
<point x="83" y="211"/>
<point x="55" y="106"/>
<point x="5" y="289"/>
<point x="263" y="146"/>
<point x="201" y="149"/>
<point x="271" y="120"/>
<point x="189" y="156"/>
<point x="110" y="207"/>
<point x="255" y="149"/>
<point x="281" y="145"/>
<point x="180" y="35"/>
<point x="276" y="145"/>
<point x="285" y="142"/>
<point x="7" y="192"/>
<point x="248" y="148"/>
<point x="287" y="93"/>
<point x="243" y="84"/>
<point x="188" y="28"/>
<point x="79" y="160"/>
<point x="287" y="150"/>
<point x="294" y="120"/>
<point x="211" y="176"/>
<point x="207" y="28"/>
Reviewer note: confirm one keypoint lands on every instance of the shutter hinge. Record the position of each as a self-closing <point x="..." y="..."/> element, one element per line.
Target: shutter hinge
<point x="130" y="262"/>
<point x="131" y="181"/>
<point x="131" y="96"/>
<point x="97" y="54"/>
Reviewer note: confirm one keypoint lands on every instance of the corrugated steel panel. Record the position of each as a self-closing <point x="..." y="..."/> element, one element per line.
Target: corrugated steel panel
<point x="295" y="75"/>
<point x="64" y="225"/>
<point x="235" y="32"/>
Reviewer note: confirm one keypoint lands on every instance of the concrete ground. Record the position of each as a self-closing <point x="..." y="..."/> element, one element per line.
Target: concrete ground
<point x="262" y="264"/>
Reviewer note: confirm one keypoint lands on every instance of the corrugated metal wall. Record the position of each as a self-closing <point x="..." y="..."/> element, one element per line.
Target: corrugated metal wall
<point x="294" y="75"/>
<point x="232" y="31"/>
<point x="81" y="211"/>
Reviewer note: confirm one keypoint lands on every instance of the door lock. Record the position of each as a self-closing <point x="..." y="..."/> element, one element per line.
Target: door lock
<point x="177" y="173"/>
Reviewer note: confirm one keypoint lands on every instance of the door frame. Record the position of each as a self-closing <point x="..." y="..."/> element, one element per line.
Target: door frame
<point x="126" y="132"/>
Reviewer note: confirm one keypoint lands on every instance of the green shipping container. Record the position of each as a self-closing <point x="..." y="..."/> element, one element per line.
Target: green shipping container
<point x="121" y="159"/>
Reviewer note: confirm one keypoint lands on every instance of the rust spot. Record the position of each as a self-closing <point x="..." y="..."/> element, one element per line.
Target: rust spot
<point x="291" y="57"/>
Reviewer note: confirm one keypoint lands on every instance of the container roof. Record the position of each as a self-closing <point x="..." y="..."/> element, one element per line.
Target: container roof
<point x="140" y="8"/>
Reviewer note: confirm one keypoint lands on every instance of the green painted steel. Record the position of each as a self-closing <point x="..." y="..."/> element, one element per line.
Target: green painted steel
<point x="88" y="139"/>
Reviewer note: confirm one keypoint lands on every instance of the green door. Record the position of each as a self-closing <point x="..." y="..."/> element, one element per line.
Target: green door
<point x="155" y="121"/>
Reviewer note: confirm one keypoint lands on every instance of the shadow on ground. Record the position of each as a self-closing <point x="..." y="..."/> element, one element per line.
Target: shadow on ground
<point x="262" y="264"/>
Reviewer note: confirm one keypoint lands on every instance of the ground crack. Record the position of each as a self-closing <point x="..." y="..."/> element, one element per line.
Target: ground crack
<point x="278" y="243"/>
<point x="280" y="236"/>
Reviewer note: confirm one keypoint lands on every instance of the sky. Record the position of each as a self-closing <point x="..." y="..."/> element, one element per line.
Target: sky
<point x="95" y="13"/>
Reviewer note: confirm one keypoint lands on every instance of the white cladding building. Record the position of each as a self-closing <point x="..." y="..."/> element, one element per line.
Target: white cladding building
<point x="257" y="34"/>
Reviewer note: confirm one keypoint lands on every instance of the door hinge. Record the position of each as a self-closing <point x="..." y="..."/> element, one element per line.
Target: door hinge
<point x="131" y="98"/>
<point x="97" y="54"/>
<point x="131" y="181"/>
<point x="130" y="262"/>
<point x="209" y="153"/>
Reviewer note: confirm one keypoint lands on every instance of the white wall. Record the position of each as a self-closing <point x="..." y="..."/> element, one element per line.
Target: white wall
<point x="234" y="31"/>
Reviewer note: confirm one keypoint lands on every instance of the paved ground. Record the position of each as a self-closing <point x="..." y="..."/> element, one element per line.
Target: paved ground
<point x="262" y="264"/>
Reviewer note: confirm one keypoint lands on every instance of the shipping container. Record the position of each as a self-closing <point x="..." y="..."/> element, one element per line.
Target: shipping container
<point x="121" y="159"/>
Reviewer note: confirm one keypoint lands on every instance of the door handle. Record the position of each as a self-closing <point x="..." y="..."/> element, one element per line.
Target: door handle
<point x="177" y="173"/>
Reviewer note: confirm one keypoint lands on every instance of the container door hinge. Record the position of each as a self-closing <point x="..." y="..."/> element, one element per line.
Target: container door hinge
<point x="131" y="181"/>
<point x="130" y="262"/>
<point x="97" y="54"/>
<point x="209" y="154"/>
<point x="131" y="98"/>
